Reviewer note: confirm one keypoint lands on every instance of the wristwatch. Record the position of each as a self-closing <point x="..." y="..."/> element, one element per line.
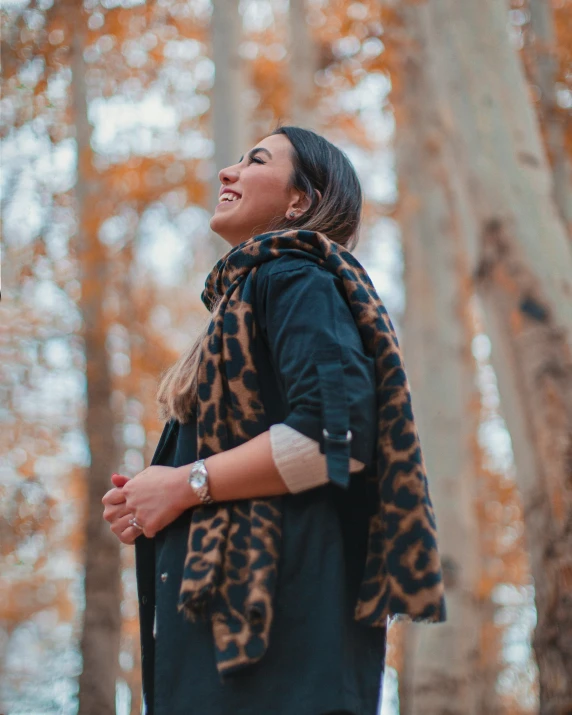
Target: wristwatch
<point x="199" y="481"/>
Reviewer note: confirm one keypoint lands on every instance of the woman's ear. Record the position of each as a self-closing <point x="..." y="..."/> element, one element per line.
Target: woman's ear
<point x="300" y="204"/>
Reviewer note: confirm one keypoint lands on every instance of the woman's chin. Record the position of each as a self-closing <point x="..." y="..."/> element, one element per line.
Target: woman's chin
<point x="224" y="228"/>
<point x="217" y="223"/>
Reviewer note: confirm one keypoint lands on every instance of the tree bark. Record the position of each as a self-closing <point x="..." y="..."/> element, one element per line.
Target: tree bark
<point x="520" y="260"/>
<point x="302" y="67"/>
<point x="441" y="663"/>
<point x="102" y="615"/>
<point x="229" y="110"/>
<point x="541" y="49"/>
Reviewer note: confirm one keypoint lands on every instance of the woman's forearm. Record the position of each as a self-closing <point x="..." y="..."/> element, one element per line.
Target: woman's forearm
<point x="243" y="472"/>
<point x="278" y="461"/>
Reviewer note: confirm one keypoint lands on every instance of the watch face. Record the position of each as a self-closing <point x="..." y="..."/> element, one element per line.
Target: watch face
<point x="198" y="481"/>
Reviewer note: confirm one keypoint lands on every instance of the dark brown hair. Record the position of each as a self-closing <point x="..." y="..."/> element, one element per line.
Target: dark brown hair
<point x="319" y="164"/>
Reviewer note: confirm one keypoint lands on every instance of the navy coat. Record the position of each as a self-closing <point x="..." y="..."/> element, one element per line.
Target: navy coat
<point x="319" y="658"/>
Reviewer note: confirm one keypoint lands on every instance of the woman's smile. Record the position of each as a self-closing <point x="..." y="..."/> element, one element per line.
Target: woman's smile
<point x="228" y="197"/>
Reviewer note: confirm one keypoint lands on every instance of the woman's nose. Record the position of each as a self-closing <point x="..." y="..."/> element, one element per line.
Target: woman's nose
<point x="228" y="174"/>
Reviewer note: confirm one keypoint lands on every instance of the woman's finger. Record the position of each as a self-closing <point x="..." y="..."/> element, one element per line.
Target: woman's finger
<point x="115" y="511"/>
<point x="129" y="535"/>
<point x="118" y="526"/>
<point x="119" y="480"/>
<point x="113" y="496"/>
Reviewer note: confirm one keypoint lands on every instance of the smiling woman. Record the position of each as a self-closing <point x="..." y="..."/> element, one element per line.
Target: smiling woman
<point x="266" y="568"/>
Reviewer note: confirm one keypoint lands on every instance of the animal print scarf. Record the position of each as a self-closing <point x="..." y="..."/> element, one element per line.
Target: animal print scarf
<point x="233" y="552"/>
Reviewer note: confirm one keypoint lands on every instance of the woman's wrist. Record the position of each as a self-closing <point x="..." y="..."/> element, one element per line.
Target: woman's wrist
<point x="186" y="495"/>
<point x="244" y="472"/>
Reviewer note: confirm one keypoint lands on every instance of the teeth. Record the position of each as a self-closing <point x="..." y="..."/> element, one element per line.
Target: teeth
<point x="229" y="197"/>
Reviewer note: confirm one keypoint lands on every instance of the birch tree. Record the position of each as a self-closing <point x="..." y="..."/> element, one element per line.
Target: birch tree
<point x="229" y="127"/>
<point x="520" y="261"/>
<point x="543" y="62"/>
<point x="302" y="67"/>
<point x="440" y="663"/>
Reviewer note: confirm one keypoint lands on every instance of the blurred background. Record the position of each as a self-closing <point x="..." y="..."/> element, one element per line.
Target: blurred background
<point x="116" y="116"/>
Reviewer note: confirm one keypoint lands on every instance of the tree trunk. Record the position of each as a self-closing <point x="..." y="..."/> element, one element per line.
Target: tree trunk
<point x="521" y="262"/>
<point x="102" y="615"/>
<point x="229" y="109"/>
<point x="303" y="64"/>
<point x="544" y="64"/>
<point x="441" y="663"/>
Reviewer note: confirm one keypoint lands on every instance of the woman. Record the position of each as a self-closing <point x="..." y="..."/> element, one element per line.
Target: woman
<point x="264" y="549"/>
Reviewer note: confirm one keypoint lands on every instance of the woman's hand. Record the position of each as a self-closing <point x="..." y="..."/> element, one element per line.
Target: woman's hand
<point x="117" y="513"/>
<point x="155" y="497"/>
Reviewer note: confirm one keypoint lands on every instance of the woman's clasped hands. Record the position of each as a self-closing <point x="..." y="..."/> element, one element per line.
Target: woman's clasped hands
<point x="146" y="503"/>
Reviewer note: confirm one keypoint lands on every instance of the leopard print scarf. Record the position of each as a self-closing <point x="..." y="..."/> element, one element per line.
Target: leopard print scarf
<point x="231" y="566"/>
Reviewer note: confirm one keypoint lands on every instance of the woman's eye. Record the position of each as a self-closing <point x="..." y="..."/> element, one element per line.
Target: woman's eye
<point x="253" y="158"/>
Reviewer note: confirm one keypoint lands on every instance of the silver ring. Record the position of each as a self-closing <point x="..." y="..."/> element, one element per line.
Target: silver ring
<point x="133" y="522"/>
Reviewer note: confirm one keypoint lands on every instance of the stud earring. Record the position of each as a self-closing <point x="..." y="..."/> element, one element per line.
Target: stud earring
<point x="292" y="214"/>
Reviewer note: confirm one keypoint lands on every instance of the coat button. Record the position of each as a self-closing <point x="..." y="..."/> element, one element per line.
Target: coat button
<point x="144" y="600"/>
<point x="164" y="577"/>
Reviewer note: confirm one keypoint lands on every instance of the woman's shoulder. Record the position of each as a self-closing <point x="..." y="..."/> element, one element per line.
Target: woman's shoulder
<point x="291" y="281"/>
<point x="299" y="295"/>
<point x="288" y="263"/>
<point x="291" y="274"/>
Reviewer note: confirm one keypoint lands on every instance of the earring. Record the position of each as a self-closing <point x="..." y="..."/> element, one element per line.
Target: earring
<point x="292" y="214"/>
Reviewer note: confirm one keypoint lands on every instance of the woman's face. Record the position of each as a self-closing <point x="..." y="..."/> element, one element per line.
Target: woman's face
<point x="257" y="187"/>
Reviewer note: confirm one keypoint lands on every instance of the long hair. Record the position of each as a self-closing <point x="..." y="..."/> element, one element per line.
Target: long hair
<point x="317" y="165"/>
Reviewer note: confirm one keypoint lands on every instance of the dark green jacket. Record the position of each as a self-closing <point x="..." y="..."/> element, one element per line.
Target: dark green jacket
<point x="319" y="658"/>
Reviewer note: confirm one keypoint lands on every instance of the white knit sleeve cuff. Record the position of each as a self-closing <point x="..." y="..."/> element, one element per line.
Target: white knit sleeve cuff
<point x="299" y="460"/>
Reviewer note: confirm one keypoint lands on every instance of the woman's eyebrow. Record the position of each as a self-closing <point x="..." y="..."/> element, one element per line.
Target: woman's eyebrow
<point x="255" y="151"/>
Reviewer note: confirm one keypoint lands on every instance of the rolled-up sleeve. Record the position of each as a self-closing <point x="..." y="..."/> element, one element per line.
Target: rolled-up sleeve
<point x="309" y="329"/>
